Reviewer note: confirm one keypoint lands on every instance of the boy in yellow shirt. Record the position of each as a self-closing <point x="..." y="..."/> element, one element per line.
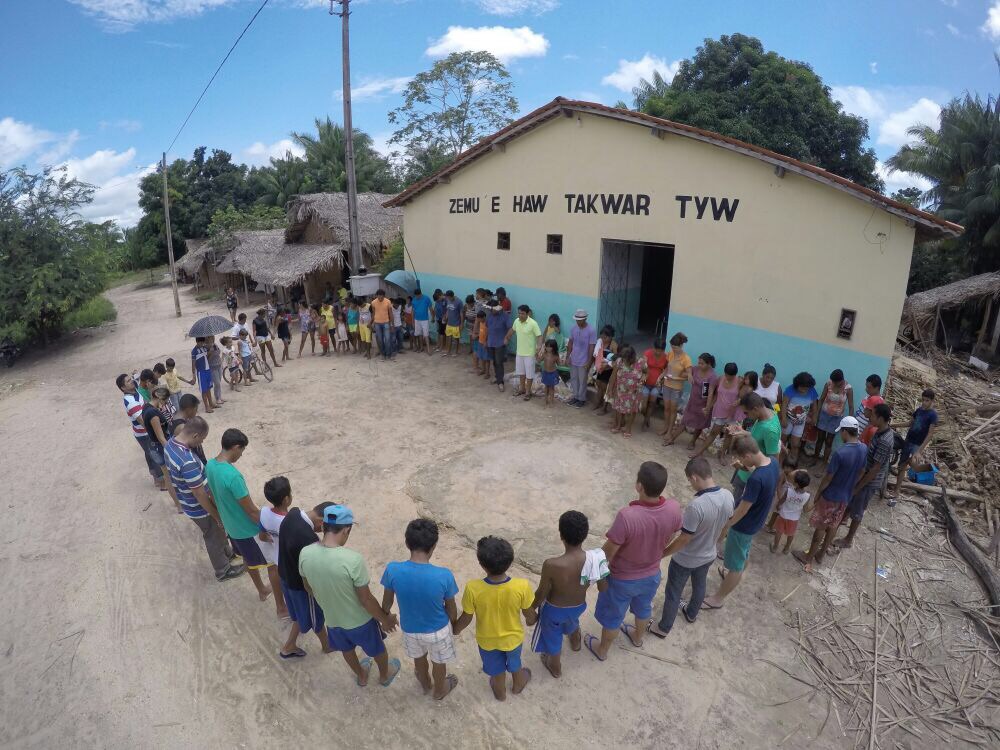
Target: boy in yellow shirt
<point x="497" y="602"/>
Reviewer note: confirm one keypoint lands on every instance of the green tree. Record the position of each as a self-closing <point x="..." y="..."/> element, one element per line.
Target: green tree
<point x="52" y="261"/>
<point x="325" y="158"/>
<point x="911" y="195"/>
<point x="421" y="162"/>
<point x="961" y="158"/>
<point x="232" y="219"/>
<point x="283" y="180"/>
<point x="734" y="87"/>
<point x="448" y="108"/>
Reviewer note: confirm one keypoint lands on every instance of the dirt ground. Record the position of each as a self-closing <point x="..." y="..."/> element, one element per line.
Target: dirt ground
<point x="116" y="634"/>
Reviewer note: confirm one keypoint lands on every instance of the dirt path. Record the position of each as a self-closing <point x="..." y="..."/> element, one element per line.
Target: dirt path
<point x="116" y="633"/>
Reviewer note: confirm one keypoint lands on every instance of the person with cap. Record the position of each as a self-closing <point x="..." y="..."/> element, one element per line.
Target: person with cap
<point x="834" y="493"/>
<point x="580" y="355"/>
<point x="877" y="461"/>
<point x="339" y="579"/>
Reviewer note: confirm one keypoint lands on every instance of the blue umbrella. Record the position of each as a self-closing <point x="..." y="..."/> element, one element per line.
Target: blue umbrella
<point x="403" y="279"/>
<point x="210" y="325"/>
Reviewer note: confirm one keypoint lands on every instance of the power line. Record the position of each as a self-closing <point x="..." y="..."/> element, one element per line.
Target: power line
<point x="210" y="80"/>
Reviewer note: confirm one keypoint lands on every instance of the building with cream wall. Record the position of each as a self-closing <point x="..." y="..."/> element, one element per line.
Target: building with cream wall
<point x="751" y="254"/>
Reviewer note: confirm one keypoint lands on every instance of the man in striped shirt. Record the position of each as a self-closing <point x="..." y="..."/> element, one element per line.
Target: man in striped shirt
<point x="134" y="402"/>
<point x="187" y="474"/>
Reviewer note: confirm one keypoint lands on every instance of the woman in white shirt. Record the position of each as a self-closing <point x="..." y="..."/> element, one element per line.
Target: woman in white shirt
<point x="768" y="387"/>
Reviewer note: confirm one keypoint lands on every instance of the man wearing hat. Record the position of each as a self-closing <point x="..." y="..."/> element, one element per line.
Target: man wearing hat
<point x="338" y="579"/>
<point x="834" y="492"/>
<point x="580" y="355"/>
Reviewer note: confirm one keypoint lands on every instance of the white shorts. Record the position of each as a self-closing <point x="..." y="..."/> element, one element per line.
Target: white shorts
<point x="439" y="646"/>
<point x="795" y="430"/>
<point x="525" y="366"/>
<point x="422" y="328"/>
<point x="263" y="339"/>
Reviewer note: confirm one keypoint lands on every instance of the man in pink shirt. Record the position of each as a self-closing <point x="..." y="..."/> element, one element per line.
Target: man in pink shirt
<point x="634" y="548"/>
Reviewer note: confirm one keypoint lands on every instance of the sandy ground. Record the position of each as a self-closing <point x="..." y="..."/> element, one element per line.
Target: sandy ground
<point x="116" y="634"/>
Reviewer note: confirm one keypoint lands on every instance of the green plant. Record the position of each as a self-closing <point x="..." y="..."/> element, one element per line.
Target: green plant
<point x="90" y="314"/>
<point x="392" y="259"/>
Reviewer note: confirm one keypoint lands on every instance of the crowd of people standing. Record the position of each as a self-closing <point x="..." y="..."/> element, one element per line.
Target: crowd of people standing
<point x="300" y="557"/>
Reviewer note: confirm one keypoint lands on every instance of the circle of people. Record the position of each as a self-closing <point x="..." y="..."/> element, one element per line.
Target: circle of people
<point x="320" y="584"/>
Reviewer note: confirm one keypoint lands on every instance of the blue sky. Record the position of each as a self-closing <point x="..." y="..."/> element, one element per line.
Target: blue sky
<point x="102" y="85"/>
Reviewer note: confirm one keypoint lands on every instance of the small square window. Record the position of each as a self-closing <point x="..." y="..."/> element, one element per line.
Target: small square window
<point x="553" y="244"/>
<point x="503" y="240"/>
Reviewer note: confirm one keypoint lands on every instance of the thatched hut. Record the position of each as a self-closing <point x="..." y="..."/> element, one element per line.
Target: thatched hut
<point x="962" y="316"/>
<point x="318" y="232"/>
<point x="199" y="263"/>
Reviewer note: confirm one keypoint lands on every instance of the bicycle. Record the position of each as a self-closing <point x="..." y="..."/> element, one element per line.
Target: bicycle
<point x="260" y="368"/>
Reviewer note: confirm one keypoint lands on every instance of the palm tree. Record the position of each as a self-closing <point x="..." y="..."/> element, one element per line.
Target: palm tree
<point x="325" y="160"/>
<point x="961" y="158"/>
<point x="646" y="90"/>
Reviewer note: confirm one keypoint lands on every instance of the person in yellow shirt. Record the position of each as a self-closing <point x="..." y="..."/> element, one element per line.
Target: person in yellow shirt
<point x="497" y="602"/>
<point x="173" y="380"/>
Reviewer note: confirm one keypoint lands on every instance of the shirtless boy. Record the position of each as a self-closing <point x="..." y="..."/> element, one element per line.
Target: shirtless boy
<point x="561" y="595"/>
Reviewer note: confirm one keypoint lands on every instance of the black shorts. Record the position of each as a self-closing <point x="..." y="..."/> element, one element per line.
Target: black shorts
<point x="250" y="552"/>
<point x="605" y="375"/>
<point x="441" y="328"/>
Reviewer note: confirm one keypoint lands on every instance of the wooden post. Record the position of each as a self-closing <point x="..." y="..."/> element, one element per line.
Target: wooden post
<point x="170" y="238"/>
<point x="357" y="262"/>
<point x="984" y="327"/>
<point x="246" y="292"/>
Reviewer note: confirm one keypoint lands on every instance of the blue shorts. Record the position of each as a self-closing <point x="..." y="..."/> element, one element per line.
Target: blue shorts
<point x="550" y="379"/>
<point x="737" y="550"/>
<point x="368" y="636"/>
<point x="497" y="662"/>
<point x="623" y="596"/>
<point x="251" y="552"/>
<point x="484" y="353"/>
<point x="303" y="609"/>
<point x="652" y="390"/>
<point x="553" y="623"/>
<point x="859" y="503"/>
<point x="205" y="380"/>
<point x="907" y="452"/>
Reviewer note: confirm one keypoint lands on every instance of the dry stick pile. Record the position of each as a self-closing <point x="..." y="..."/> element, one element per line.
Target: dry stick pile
<point x="937" y="678"/>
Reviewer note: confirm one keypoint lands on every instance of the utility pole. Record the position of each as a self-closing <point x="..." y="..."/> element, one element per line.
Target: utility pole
<point x="357" y="262"/>
<point x="170" y="238"/>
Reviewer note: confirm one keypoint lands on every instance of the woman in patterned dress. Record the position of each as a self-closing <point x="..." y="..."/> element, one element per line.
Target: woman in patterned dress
<point x="630" y="372"/>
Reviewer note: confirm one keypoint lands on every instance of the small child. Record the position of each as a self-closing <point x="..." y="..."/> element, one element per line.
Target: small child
<point x="497" y="602"/>
<point x="792" y="499"/>
<point x="426" y="608"/>
<point x="485" y="359"/>
<point x="408" y="320"/>
<point x="323" y="329"/>
<point x="353" y="316"/>
<point x="788" y="469"/>
<point x="396" y="337"/>
<point x="173" y="381"/>
<point x="231" y="361"/>
<point x="188" y="409"/>
<point x="550" y="373"/>
<point x="561" y="596"/>
<point x="365" y="328"/>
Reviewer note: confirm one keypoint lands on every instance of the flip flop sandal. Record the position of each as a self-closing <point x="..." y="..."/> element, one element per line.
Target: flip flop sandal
<point x="394" y="664"/>
<point x="625" y="628"/>
<point x="296" y="654"/>
<point x="722" y="572"/>
<point x="452" y="681"/>
<point x="684" y="610"/>
<point x="588" y="643"/>
<point x="366" y="665"/>
<point x="544" y="659"/>
<point x="706" y="605"/>
<point x="657" y="633"/>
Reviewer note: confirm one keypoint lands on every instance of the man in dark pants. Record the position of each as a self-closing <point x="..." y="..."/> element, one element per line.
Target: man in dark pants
<point x="133" y="408"/>
<point x="497" y="325"/>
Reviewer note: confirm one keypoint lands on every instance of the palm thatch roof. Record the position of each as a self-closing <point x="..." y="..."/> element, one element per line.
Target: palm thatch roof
<point x="266" y="258"/>
<point x="921" y="309"/>
<point x="378" y="225"/>
<point x="252" y="250"/>
<point x="197" y="252"/>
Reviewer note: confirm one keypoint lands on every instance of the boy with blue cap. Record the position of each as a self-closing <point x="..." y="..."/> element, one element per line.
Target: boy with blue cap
<point x="338" y="578"/>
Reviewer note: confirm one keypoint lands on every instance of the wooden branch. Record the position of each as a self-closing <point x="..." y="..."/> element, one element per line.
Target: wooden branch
<point x="933" y="489"/>
<point x="979" y="429"/>
<point x="960" y="541"/>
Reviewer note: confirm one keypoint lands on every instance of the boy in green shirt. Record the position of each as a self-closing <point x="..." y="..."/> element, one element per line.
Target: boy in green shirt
<point x="337" y="578"/>
<point x="528" y="333"/>
<point x="241" y="516"/>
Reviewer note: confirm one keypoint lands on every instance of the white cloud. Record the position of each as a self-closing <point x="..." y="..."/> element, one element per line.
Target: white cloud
<point x="117" y="183"/>
<point x="375" y="88"/>
<point x="874" y="67"/>
<point x="950" y="3"/>
<point x="952" y="29"/>
<point x="991" y="27"/>
<point x="515" y="7"/>
<point x="21" y="142"/>
<point x="892" y="131"/>
<point x="590" y="96"/>
<point x="125" y="15"/>
<point x="631" y="71"/>
<point x="571" y="56"/>
<point x="129" y="126"/>
<point x="504" y="43"/>
<point x="898" y="180"/>
<point x="260" y="153"/>
<point x="890" y="112"/>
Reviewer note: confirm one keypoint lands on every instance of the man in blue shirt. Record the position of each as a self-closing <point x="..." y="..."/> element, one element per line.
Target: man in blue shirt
<point x="750" y="514"/>
<point x="188" y="478"/>
<point x="422" y="320"/>
<point x="920" y="431"/>
<point x="439" y="307"/>
<point x="497" y="325"/>
<point x="453" y="322"/>
<point x="427" y="608"/>
<point x="834" y="493"/>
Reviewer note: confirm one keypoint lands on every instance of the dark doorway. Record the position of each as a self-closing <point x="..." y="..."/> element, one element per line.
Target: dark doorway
<point x="636" y="280"/>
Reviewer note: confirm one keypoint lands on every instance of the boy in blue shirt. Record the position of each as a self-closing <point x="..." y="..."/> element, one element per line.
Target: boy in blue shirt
<point x="920" y="431"/>
<point x="421" y="321"/>
<point x="201" y="370"/>
<point x="426" y="608"/>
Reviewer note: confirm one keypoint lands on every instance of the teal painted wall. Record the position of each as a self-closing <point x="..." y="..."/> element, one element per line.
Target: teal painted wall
<point x="749" y="347"/>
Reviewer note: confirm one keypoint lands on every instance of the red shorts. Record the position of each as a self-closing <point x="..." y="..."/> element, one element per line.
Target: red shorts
<point x="785" y="527"/>
<point x="827" y="514"/>
<point x="324" y="340"/>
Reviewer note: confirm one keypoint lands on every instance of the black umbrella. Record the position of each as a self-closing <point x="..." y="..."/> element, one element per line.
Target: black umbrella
<point x="210" y="325"/>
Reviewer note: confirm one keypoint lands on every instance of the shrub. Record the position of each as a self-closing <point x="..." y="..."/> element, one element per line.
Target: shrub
<point x="90" y="314"/>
